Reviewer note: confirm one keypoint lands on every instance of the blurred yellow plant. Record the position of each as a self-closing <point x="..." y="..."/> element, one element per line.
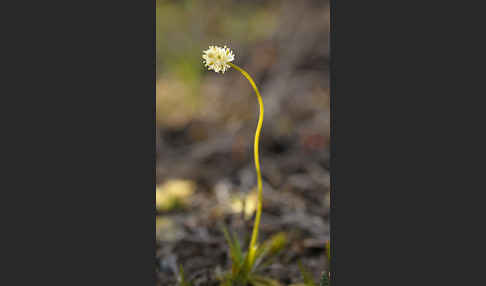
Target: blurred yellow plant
<point x="246" y="204"/>
<point x="173" y="194"/>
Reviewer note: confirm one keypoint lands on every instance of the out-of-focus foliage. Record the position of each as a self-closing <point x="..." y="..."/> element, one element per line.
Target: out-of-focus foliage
<point x="173" y="194"/>
<point x="306" y="275"/>
<point x="245" y="204"/>
<point x="182" y="278"/>
<point x="183" y="30"/>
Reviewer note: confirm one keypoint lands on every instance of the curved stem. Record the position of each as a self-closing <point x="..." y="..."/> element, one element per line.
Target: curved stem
<point x="254" y="235"/>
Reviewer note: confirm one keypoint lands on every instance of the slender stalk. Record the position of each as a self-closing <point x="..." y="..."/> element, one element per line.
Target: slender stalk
<point x="254" y="235"/>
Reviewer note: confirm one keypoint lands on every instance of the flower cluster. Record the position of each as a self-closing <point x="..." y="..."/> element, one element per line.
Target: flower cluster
<point x="217" y="58"/>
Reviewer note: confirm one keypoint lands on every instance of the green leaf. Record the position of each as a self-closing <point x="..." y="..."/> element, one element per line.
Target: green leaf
<point x="269" y="249"/>
<point x="235" y="250"/>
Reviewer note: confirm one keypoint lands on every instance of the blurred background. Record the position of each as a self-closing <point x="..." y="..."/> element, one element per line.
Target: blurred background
<point x="206" y="123"/>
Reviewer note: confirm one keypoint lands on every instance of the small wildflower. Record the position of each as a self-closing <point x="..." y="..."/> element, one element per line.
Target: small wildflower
<point x="217" y="58"/>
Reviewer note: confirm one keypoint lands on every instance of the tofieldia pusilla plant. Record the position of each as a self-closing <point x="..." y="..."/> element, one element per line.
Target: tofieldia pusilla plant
<point x="219" y="60"/>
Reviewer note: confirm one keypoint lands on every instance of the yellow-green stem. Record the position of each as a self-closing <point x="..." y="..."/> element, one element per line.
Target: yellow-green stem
<point x="254" y="235"/>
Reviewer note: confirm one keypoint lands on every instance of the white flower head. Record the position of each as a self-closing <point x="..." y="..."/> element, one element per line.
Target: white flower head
<point x="217" y="58"/>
